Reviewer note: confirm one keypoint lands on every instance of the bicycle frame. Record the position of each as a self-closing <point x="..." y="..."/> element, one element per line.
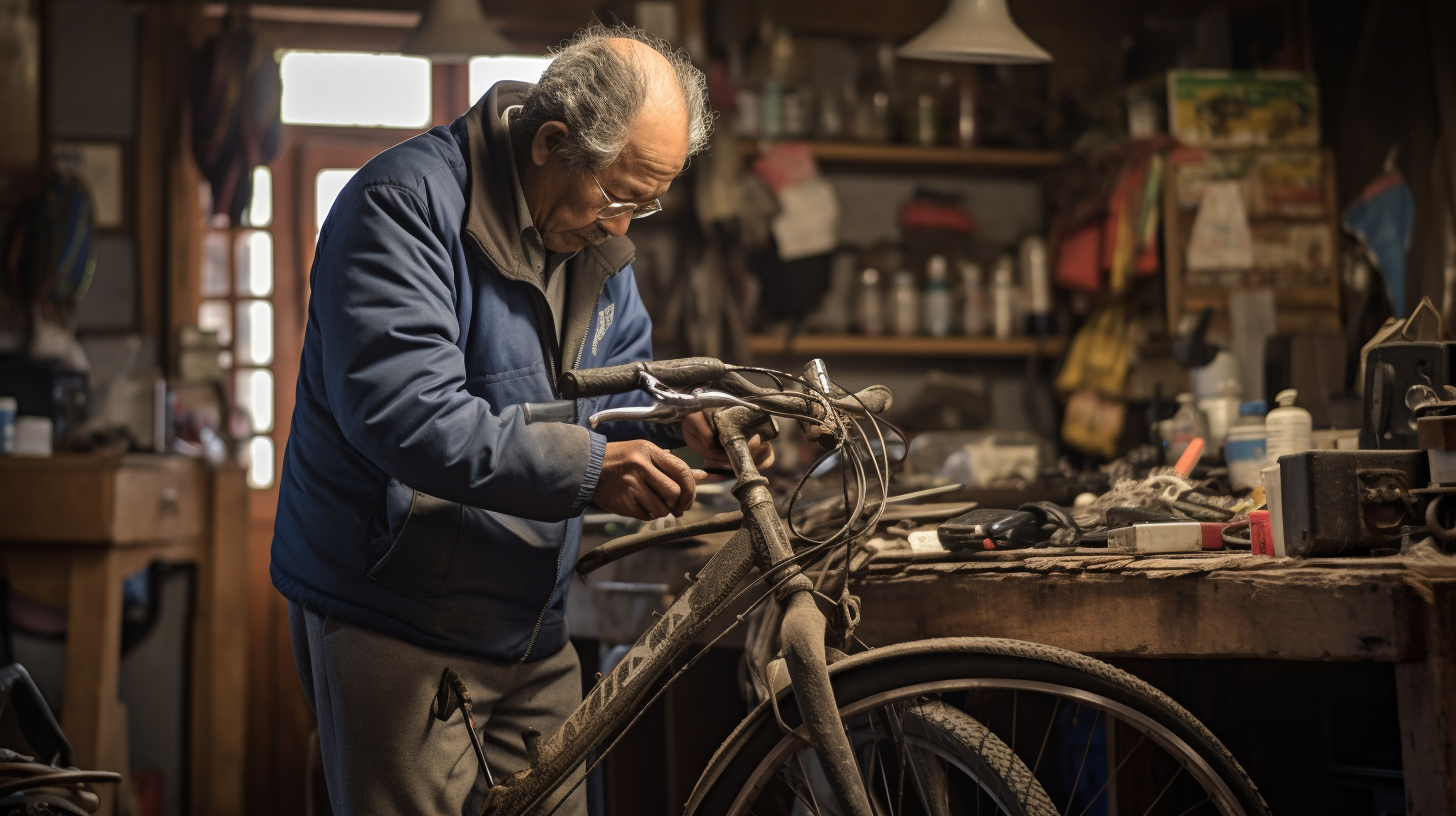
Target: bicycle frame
<point x="761" y="541"/>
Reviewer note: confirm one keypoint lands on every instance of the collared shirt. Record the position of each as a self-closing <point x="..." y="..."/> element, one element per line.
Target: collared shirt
<point x="543" y="261"/>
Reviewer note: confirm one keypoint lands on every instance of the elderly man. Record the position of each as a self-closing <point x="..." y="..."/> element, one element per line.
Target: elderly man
<point x="421" y="522"/>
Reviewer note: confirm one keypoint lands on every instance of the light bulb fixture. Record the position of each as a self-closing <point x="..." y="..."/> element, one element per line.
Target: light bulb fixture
<point x="452" y="31"/>
<point x="975" y="31"/>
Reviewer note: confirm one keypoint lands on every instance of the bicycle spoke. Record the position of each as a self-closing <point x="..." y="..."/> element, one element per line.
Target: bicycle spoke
<point x="1113" y="775"/>
<point x="1164" y="791"/>
<point x="1091" y="735"/>
<point x="1044" y="737"/>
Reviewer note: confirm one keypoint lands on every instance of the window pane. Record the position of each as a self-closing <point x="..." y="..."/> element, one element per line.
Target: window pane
<point x="326" y="188"/>
<point x="487" y="71"/>
<point x="216" y="315"/>
<point x="260" y="462"/>
<point x="344" y="88"/>
<point x="214" y="265"/>
<point x="260" y="208"/>
<point x="255" y="264"/>
<point x="255" y="333"/>
<point x="255" y="397"/>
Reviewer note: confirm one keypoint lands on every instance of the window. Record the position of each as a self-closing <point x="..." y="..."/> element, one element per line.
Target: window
<point x="362" y="90"/>
<point x="237" y="290"/>
<point x="326" y="188"/>
<point x="487" y="71"/>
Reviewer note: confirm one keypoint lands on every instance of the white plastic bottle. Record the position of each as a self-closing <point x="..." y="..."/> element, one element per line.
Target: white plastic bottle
<point x="935" y="303"/>
<point x="907" y="304"/>
<point x="973" y="291"/>
<point x="871" y="306"/>
<point x="1003" y="297"/>
<point x="1185" y="426"/>
<point x="1290" y="429"/>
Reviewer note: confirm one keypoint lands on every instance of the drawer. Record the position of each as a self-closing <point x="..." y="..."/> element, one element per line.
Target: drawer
<point x="101" y="499"/>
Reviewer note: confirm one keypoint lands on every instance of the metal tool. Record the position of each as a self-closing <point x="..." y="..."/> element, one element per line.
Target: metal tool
<point x="452" y="695"/>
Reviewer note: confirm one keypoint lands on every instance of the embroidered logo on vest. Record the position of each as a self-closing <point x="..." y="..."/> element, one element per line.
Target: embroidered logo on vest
<point x="604" y="322"/>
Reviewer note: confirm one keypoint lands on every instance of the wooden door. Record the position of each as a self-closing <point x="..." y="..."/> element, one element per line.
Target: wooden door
<point x="282" y="754"/>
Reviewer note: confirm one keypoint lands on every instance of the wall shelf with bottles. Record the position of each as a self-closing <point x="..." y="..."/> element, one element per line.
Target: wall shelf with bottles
<point x="892" y="346"/>
<point x="904" y="155"/>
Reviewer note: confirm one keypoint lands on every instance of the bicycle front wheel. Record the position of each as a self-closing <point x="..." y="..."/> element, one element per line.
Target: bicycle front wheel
<point x="1093" y="739"/>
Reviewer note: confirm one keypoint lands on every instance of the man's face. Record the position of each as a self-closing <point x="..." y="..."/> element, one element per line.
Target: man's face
<point x="566" y="205"/>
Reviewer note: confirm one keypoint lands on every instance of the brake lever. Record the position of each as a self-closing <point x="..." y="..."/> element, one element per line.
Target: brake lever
<point x="669" y="406"/>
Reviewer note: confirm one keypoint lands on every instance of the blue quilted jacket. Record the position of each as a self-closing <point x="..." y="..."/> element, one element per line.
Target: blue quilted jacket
<point x="415" y="500"/>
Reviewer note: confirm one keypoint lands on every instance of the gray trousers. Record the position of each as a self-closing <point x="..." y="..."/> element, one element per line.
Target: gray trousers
<point x="383" y="752"/>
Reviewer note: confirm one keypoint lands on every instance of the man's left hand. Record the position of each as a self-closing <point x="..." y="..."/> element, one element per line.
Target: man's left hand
<point x="703" y="440"/>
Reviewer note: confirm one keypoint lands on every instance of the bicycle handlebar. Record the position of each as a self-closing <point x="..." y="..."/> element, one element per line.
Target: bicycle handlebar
<point x="599" y="382"/>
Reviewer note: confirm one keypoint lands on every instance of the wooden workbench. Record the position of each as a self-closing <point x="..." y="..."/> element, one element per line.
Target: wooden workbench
<point x="71" y="528"/>
<point x="1399" y="609"/>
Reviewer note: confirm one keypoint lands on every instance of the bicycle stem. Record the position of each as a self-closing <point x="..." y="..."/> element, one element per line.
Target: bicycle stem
<point x="801" y="633"/>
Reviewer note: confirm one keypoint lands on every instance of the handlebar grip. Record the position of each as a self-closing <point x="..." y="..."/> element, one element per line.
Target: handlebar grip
<point x="597" y="382"/>
<point x="876" y="399"/>
<point x="554" y="411"/>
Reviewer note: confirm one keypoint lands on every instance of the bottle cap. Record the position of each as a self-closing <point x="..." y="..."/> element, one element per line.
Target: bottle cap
<point x="9" y="404"/>
<point x="1254" y="408"/>
<point x="1286" y="397"/>
<point x="870" y="276"/>
<point x="935" y="268"/>
<point x="1185" y="398"/>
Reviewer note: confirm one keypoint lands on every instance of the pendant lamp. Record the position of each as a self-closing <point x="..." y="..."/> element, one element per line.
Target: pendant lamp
<point x="452" y="31"/>
<point x="975" y="31"/>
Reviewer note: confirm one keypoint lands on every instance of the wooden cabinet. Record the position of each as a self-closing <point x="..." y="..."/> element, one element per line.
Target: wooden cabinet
<point x="71" y="528"/>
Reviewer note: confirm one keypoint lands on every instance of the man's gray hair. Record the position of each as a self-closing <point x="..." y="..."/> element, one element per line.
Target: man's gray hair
<point x="597" y="92"/>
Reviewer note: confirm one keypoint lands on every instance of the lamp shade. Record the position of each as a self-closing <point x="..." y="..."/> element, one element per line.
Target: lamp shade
<point x="453" y="31"/>
<point x="975" y="31"/>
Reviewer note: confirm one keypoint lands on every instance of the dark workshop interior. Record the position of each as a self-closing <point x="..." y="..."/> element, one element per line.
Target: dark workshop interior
<point x="1035" y="407"/>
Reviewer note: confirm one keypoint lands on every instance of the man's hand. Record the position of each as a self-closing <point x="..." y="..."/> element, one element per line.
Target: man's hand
<point x="643" y="481"/>
<point x="699" y="435"/>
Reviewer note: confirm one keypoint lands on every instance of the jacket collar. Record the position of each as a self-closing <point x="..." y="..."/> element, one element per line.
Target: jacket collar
<point x="492" y="225"/>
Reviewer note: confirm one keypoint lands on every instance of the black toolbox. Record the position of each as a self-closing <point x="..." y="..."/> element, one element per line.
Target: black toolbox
<point x="1348" y="502"/>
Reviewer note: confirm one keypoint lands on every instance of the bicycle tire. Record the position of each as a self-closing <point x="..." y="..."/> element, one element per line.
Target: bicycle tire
<point x="962" y="740"/>
<point x="974" y="663"/>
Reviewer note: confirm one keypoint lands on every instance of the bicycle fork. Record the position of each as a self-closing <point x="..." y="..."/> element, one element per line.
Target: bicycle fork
<point x="802" y="631"/>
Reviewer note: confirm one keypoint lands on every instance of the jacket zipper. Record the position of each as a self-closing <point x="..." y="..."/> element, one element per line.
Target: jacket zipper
<point x="561" y="545"/>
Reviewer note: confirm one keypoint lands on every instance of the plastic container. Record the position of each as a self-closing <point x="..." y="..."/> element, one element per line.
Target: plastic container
<point x="935" y="304"/>
<point x="973" y="299"/>
<point x="1274" y="500"/>
<point x="1289" y="429"/>
<point x="1245" y="451"/>
<point x="1252" y="413"/>
<point x="1035" y="272"/>
<point x="8" y="407"/>
<point x="1261" y="533"/>
<point x="871" y="303"/>
<point x="907" y="304"/>
<point x="34" y="436"/>
<point x="1003" y="297"/>
<point x="1185" y="426"/>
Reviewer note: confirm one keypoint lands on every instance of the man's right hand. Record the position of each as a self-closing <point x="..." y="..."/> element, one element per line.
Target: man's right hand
<point x="642" y="481"/>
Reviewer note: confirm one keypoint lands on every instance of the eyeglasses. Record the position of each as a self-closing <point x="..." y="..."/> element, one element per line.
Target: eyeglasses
<point x="617" y="209"/>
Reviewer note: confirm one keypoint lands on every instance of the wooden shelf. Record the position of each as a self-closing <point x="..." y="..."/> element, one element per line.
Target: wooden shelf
<point x="914" y="156"/>
<point x="830" y="344"/>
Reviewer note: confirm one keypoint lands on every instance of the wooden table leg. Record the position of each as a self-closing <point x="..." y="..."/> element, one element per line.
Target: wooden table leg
<point x="219" y="649"/>
<point x="1427" y="700"/>
<point x="91" y="710"/>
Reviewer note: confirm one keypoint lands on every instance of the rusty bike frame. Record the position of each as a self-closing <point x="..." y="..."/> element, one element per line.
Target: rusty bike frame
<point x="761" y="541"/>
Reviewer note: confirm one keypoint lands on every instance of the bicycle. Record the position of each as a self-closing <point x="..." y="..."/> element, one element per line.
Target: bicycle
<point x="900" y="729"/>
